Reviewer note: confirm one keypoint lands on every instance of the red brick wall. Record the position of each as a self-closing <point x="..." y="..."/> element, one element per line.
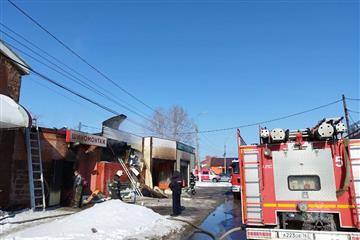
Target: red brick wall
<point x="6" y="149"/>
<point x="14" y="181"/>
<point x="19" y="193"/>
<point x="53" y="146"/>
<point x="10" y="79"/>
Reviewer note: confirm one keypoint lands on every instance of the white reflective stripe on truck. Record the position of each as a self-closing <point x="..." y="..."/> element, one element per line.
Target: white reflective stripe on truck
<point x="269" y="233"/>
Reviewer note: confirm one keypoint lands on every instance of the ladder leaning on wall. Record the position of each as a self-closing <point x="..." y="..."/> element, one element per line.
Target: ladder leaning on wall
<point x="35" y="170"/>
<point x="132" y="180"/>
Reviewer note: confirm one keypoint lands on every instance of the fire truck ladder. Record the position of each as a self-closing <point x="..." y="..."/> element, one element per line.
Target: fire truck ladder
<point x="35" y="171"/>
<point x="252" y="201"/>
<point x="355" y="163"/>
<point x="132" y="180"/>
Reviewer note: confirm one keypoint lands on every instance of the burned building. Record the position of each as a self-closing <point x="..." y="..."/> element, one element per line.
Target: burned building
<point x="162" y="157"/>
<point x="31" y="155"/>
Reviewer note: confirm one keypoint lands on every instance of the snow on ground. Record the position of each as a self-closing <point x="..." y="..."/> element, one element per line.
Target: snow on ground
<point x="112" y="219"/>
<point x="6" y="226"/>
<point x="212" y="184"/>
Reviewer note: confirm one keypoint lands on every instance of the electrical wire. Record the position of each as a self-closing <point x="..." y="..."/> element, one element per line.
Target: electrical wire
<point x="72" y="91"/>
<point x="353" y="111"/>
<point x="353" y="99"/>
<point x="42" y="50"/>
<point x="266" y="121"/>
<point x="354" y="122"/>
<point x="80" y="57"/>
<point x="128" y="105"/>
<point x="132" y="95"/>
<point x="36" y="81"/>
<point x="78" y="81"/>
<point x="206" y="140"/>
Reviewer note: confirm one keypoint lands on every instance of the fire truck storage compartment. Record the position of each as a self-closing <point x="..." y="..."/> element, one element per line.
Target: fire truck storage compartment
<point x="308" y="166"/>
<point x="162" y="171"/>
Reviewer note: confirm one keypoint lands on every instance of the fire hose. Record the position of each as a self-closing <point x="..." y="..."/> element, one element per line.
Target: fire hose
<point x="346" y="182"/>
<point x="200" y="230"/>
<point x="36" y="219"/>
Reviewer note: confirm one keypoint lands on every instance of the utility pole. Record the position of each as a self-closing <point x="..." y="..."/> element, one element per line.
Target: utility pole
<point x="79" y="126"/>
<point x="197" y="153"/>
<point x="346" y="115"/>
<point x="224" y="158"/>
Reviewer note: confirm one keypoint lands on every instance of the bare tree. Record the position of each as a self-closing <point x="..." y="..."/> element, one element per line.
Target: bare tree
<point x="171" y="123"/>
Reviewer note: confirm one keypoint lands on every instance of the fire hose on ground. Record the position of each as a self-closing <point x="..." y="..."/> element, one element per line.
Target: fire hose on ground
<point x="200" y="230"/>
<point x="36" y="219"/>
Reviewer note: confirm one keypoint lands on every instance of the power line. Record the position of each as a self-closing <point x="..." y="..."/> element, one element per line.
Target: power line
<point x="83" y="125"/>
<point x="91" y="127"/>
<point x="59" y="61"/>
<point x="72" y="91"/>
<point x="266" y="121"/>
<point x="353" y="111"/>
<point x="53" y="90"/>
<point x="71" y="76"/>
<point x="80" y="82"/>
<point x="353" y="99"/>
<point x="208" y="141"/>
<point x="81" y="58"/>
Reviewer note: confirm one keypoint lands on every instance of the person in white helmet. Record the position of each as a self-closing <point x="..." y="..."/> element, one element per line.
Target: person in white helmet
<point x="115" y="186"/>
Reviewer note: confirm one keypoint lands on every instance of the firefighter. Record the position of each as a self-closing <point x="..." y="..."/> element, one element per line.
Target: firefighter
<point x="175" y="186"/>
<point x="115" y="186"/>
<point x="133" y="159"/>
<point x="192" y="183"/>
<point x="77" y="189"/>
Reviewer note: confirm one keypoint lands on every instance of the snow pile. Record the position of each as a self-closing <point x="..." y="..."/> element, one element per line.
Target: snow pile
<point x="6" y="226"/>
<point x="112" y="219"/>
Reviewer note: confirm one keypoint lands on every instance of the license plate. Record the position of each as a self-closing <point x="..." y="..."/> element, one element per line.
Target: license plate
<point x="295" y="235"/>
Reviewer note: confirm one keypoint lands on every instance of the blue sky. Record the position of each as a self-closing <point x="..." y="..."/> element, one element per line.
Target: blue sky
<point x="228" y="63"/>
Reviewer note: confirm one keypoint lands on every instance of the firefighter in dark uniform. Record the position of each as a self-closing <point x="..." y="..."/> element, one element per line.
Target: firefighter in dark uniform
<point x="175" y="186"/>
<point x="115" y="186"/>
<point x="77" y="190"/>
<point x="192" y="183"/>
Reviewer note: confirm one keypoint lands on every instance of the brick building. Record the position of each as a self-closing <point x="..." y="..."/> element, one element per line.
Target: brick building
<point x="218" y="164"/>
<point x="13" y="170"/>
<point x="11" y="72"/>
<point x="96" y="161"/>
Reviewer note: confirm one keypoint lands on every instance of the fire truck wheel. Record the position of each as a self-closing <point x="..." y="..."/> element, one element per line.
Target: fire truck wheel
<point x="214" y="180"/>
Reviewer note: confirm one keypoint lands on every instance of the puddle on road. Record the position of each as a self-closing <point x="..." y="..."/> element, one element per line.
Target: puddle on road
<point x="225" y="217"/>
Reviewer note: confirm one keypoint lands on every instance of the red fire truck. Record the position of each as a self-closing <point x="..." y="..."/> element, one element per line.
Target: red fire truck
<point x="302" y="184"/>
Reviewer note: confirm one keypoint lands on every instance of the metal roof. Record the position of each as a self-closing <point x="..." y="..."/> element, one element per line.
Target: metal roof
<point x="7" y="51"/>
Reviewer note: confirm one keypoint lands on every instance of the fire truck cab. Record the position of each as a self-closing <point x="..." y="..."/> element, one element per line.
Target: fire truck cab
<point x="297" y="183"/>
<point x="235" y="179"/>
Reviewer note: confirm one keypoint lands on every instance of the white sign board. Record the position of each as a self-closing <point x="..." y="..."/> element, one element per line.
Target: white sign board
<point x="84" y="138"/>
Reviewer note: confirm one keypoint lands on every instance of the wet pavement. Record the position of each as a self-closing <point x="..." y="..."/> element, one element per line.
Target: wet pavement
<point x="225" y="217"/>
